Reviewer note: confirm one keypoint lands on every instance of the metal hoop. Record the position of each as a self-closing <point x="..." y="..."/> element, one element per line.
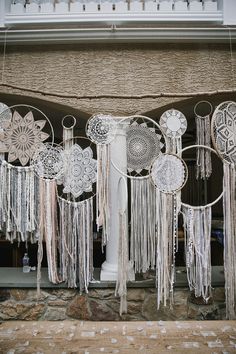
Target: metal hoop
<point x="198" y="104"/>
<point x="220" y="196"/>
<point x="73" y="124"/>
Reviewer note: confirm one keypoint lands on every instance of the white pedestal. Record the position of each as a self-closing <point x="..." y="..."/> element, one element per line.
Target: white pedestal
<point x="195" y="6"/>
<point x="136" y="6"/>
<point x="17" y="9"/>
<point x="91" y="7"/>
<point x="121" y="6"/>
<point x="47" y="7"/>
<point x="32" y="8"/>
<point x="210" y="6"/>
<point x="106" y="7"/>
<point x="61" y="7"/>
<point x="181" y="6"/>
<point x="76" y="6"/>
<point x="119" y="158"/>
<point x="150" y="6"/>
<point x="165" y="6"/>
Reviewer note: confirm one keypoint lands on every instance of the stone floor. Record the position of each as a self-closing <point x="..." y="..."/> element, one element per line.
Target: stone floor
<point x="67" y="337"/>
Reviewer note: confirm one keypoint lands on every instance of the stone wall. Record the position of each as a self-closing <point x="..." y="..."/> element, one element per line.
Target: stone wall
<point x="95" y="78"/>
<point x="102" y="305"/>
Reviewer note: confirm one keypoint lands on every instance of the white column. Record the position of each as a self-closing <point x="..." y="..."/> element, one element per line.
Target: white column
<point x="119" y="158"/>
<point x="229" y="12"/>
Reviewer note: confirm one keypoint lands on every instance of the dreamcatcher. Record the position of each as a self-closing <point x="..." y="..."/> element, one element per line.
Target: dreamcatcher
<point x="169" y="175"/>
<point x="22" y="135"/>
<point x="5" y="119"/>
<point x="197" y="226"/>
<point x="173" y="124"/>
<point x="101" y="129"/>
<point x="76" y="217"/>
<point x="143" y="145"/>
<point x="223" y="129"/>
<point x="203" y="133"/>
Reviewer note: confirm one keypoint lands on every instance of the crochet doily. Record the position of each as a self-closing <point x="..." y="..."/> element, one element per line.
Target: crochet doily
<point x="224" y="130"/>
<point x="80" y="170"/>
<point x="173" y="123"/>
<point x="168" y="173"/>
<point x="5" y="116"/>
<point x="101" y="129"/>
<point x="143" y="146"/>
<point x="23" y="136"/>
<point x="48" y="161"/>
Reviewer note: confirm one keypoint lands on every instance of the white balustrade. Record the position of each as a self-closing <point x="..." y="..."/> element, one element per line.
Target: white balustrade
<point x="151" y="6"/>
<point x="47" y="6"/>
<point x="166" y="5"/>
<point x="76" y="6"/>
<point x="135" y="6"/>
<point x="17" y="7"/>
<point x="210" y="5"/>
<point x="32" y="7"/>
<point x="180" y="5"/>
<point x="62" y="6"/>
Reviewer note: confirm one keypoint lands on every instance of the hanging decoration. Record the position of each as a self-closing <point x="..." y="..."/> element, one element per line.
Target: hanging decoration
<point x="173" y="124"/>
<point x="48" y="226"/>
<point x="197" y="225"/>
<point x="143" y="146"/>
<point x="80" y="170"/>
<point x="19" y="198"/>
<point x="123" y="253"/>
<point x="5" y="119"/>
<point x="169" y="175"/>
<point x="223" y="128"/>
<point x="101" y="129"/>
<point x="143" y="224"/>
<point x="68" y="124"/>
<point x="203" y="133"/>
<point x="76" y="242"/>
<point x="48" y="161"/>
<point x="23" y="136"/>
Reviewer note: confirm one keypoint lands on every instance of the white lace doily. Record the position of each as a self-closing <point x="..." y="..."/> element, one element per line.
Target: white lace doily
<point x="48" y="161"/>
<point x="80" y="170"/>
<point x="5" y="116"/>
<point x="101" y="129"/>
<point x="23" y="136"/>
<point x="173" y="123"/>
<point x="143" y="146"/>
<point x="224" y="130"/>
<point x="168" y="173"/>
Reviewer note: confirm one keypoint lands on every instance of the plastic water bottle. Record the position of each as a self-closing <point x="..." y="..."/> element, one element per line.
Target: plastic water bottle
<point x="25" y="261"/>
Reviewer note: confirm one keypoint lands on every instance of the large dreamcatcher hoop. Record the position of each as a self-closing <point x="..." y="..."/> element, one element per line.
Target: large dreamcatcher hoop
<point x="197" y="226"/>
<point x="223" y="130"/>
<point x="23" y="135"/>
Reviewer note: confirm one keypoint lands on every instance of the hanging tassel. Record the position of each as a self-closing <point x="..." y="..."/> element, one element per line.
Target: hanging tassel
<point x="167" y="214"/>
<point x="143" y="224"/>
<point x="48" y="228"/>
<point x="123" y="258"/>
<point x="229" y="205"/>
<point x="76" y="242"/>
<point x="197" y="225"/>
<point x="103" y="190"/>
<point x="203" y="158"/>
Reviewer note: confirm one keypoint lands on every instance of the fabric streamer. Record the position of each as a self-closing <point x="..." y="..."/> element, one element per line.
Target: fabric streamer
<point x="123" y="258"/>
<point x="76" y="242"/>
<point x="229" y="205"/>
<point x="19" y="197"/>
<point x="48" y="229"/>
<point x="103" y="190"/>
<point x="203" y="158"/>
<point x="197" y="226"/>
<point x="143" y="224"/>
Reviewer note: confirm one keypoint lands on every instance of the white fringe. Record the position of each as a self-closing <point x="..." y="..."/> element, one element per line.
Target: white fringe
<point x="203" y="159"/>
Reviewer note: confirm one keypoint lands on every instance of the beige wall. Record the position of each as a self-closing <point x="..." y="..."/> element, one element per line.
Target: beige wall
<point x="91" y="70"/>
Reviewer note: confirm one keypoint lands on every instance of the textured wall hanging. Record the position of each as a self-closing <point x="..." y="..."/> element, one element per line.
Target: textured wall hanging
<point x="76" y="242"/>
<point x="173" y="124"/>
<point x="5" y="119"/>
<point x="101" y="129"/>
<point x="203" y="133"/>
<point x="223" y="129"/>
<point x="169" y="175"/>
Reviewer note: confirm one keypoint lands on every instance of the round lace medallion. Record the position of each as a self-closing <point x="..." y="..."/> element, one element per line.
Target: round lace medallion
<point x="48" y="161"/>
<point x="224" y="130"/>
<point x="173" y="123"/>
<point x="168" y="173"/>
<point x="143" y="146"/>
<point x="101" y="129"/>
<point x="80" y="170"/>
<point x="23" y="136"/>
